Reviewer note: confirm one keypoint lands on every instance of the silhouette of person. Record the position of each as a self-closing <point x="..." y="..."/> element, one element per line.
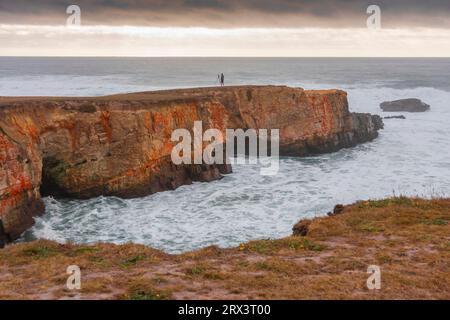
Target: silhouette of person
<point x="222" y="80"/>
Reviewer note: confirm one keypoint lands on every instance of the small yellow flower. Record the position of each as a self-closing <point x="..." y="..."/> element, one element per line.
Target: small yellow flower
<point x="242" y="247"/>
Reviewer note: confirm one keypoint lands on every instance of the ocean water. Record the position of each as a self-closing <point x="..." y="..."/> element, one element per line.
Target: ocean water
<point x="411" y="157"/>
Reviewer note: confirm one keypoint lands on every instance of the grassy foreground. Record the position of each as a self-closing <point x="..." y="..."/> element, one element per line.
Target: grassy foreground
<point x="409" y="239"/>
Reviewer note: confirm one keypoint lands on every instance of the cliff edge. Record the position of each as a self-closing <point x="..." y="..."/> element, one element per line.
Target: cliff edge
<point x="120" y="145"/>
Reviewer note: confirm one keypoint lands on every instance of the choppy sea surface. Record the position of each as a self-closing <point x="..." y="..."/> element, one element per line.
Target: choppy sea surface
<point x="411" y="157"/>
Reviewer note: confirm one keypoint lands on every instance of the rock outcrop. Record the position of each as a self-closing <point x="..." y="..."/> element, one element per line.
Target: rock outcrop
<point x="405" y="105"/>
<point x="401" y="117"/>
<point x="120" y="145"/>
<point x="301" y="228"/>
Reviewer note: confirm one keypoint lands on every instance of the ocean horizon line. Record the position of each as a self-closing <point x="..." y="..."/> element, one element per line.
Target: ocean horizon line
<point x="237" y="57"/>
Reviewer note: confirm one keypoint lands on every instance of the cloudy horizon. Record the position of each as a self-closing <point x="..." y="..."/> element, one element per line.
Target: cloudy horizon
<point x="265" y="28"/>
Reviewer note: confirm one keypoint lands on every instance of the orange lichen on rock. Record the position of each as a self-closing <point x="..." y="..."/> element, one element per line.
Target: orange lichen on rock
<point x="26" y="127"/>
<point x="14" y="180"/>
<point x="104" y="119"/>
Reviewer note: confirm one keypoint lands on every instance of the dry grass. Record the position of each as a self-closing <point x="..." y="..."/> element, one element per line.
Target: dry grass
<point x="408" y="238"/>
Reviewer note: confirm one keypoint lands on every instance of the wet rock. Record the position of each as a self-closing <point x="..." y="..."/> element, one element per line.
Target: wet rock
<point x="395" y="117"/>
<point x="378" y="122"/>
<point x="405" y="105"/>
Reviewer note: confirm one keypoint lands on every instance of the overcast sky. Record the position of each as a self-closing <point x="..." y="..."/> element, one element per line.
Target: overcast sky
<point x="225" y="28"/>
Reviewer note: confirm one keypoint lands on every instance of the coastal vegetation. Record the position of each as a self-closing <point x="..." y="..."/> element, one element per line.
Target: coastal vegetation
<point x="408" y="238"/>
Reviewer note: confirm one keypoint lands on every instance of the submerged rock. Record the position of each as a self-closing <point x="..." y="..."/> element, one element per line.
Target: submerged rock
<point x="395" y="117"/>
<point x="405" y="105"/>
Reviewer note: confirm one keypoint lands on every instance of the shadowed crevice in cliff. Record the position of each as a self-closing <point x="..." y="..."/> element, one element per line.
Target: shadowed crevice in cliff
<point x="53" y="171"/>
<point x="170" y="177"/>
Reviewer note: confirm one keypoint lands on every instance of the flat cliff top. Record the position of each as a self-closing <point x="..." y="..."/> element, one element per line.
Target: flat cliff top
<point x="161" y="95"/>
<point x="407" y="238"/>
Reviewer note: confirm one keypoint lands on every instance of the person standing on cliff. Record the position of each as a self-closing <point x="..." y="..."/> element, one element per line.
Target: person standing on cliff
<point x="222" y="80"/>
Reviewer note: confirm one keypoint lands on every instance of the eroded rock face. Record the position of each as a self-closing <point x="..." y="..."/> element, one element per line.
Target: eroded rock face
<point x="405" y="105"/>
<point x="120" y="145"/>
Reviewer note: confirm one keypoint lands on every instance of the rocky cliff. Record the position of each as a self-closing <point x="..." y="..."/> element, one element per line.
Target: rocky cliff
<point x="120" y="145"/>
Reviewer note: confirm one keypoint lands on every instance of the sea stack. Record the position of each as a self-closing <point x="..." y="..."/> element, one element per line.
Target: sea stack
<point x="405" y="105"/>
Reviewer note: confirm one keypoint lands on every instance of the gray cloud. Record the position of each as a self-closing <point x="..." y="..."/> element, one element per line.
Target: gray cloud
<point x="230" y="13"/>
